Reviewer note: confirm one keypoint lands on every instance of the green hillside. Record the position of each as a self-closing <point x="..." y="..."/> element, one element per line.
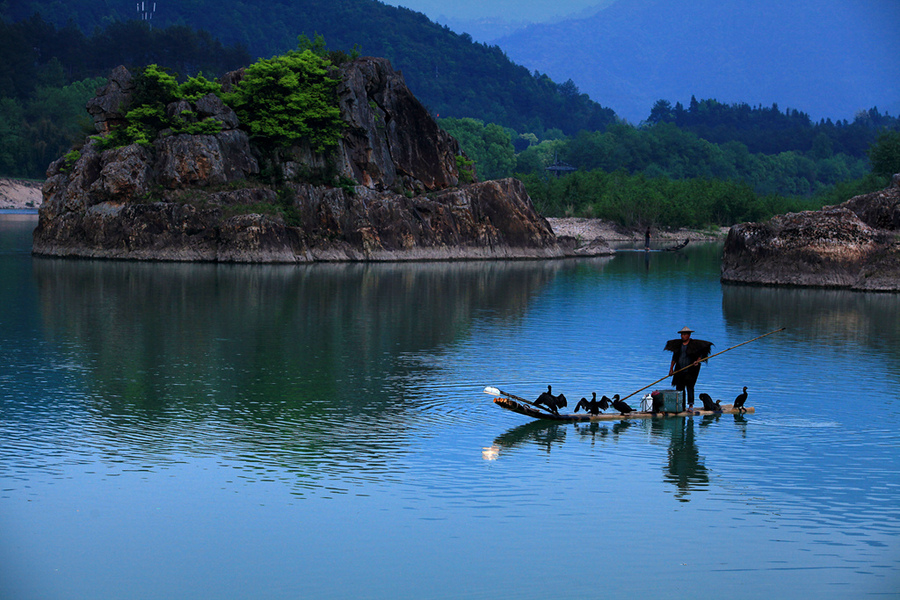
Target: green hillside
<point x="452" y="75"/>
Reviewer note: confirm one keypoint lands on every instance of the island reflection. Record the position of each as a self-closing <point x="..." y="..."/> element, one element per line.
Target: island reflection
<point x="300" y="368"/>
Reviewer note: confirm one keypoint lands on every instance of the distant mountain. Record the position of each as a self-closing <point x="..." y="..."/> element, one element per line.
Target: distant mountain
<point x="489" y="29"/>
<point x="828" y="58"/>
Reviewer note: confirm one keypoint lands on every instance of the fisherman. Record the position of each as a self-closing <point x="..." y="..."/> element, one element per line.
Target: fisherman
<point x="687" y="354"/>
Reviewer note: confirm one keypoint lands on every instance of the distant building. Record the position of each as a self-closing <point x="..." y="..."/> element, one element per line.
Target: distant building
<point x="560" y="168"/>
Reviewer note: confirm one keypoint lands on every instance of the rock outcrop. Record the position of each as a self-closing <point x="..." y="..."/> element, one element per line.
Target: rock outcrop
<point x="853" y="245"/>
<point x="212" y="197"/>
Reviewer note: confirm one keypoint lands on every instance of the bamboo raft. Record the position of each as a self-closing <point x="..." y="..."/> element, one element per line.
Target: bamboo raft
<point x="530" y="411"/>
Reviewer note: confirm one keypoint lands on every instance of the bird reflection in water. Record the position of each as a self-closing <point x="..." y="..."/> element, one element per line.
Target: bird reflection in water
<point x="544" y="433"/>
<point x="741" y="422"/>
<point x="592" y="430"/>
<point x="547" y="434"/>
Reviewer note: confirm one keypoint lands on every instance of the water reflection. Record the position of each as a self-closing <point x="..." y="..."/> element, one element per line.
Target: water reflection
<point x="827" y="315"/>
<point x="684" y="468"/>
<point x="550" y="434"/>
<point x="294" y="369"/>
<point x="544" y="434"/>
<point x="307" y="333"/>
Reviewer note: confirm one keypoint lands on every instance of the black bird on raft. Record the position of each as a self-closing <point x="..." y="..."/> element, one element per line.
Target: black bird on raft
<point x="739" y="401"/>
<point x="589" y="406"/>
<point x="592" y="406"/>
<point x="621" y="405"/>
<point x="605" y="402"/>
<point x="708" y="403"/>
<point x="553" y="403"/>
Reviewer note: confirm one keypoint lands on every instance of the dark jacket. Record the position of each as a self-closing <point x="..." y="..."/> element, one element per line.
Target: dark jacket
<point x="696" y="349"/>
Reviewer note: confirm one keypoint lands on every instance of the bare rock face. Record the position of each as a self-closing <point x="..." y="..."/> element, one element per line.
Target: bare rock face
<point x="203" y="197"/>
<point x="203" y="160"/>
<point x="109" y="106"/>
<point x="391" y="138"/>
<point x="853" y="245"/>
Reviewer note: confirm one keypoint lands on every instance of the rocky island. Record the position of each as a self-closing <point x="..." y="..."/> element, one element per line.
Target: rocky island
<point x="853" y="245"/>
<point x="394" y="186"/>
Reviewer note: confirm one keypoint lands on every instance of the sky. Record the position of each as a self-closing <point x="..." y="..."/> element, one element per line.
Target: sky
<point x="535" y="11"/>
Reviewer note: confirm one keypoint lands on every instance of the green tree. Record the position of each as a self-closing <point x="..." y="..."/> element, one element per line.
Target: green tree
<point x="884" y="154"/>
<point x="13" y="149"/>
<point x="490" y="146"/>
<point x="289" y="98"/>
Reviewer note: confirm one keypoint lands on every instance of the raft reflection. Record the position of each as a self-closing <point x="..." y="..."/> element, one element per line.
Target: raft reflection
<point x="684" y="469"/>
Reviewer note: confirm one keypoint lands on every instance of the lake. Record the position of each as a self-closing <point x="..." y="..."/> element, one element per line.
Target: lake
<point x="207" y="431"/>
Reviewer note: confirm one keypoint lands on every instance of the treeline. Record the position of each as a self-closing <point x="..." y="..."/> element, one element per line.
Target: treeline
<point x="768" y="130"/>
<point x="656" y="151"/>
<point x="665" y="150"/>
<point x="47" y="75"/>
<point x="660" y="175"/>
<point x="638" y="200"/>
<point x="36" y="53"/>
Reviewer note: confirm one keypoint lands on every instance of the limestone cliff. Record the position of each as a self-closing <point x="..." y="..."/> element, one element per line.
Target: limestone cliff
<point x="393" y="193"/>
<point x="853" y="245"/>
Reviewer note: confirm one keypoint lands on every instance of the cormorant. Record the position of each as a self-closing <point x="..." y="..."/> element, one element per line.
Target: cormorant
<point x="591" y="406"/>
<point x="739" y="401"/>
<point x="708" y="403"/>
<point x="605" y="402"/>
<point x="621" y="406"/>
<point x="553" y="403"/>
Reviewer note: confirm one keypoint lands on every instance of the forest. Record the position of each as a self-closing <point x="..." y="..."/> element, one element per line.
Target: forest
<point x="509" y="121"/>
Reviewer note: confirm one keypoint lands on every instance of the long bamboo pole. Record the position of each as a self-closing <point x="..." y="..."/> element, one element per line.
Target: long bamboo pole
<point x="703" y="360"/>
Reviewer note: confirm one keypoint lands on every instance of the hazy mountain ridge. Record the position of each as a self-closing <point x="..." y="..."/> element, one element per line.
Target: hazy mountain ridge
<point x="829" y="58"/>
<point x="490" y="29"/>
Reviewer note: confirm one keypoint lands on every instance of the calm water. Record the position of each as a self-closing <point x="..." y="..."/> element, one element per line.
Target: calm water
<point x="218" y="432"/>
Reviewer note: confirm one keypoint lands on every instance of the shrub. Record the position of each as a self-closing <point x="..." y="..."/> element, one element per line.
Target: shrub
<point x="155" y="88"/>
<point x="466" y="169"/>
<point x="288" y="99"/>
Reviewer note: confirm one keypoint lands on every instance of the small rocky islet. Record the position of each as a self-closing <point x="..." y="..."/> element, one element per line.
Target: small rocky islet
<point x="397" y="194"/>
<point x="854" y="245"/>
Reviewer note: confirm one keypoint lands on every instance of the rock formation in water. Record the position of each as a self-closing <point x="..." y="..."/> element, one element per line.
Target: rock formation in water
<point x="853" y="245"/>
<point x="397" y="194"/>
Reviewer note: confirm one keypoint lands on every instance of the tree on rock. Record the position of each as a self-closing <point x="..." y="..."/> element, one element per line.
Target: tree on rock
<point x="289" y="98"/>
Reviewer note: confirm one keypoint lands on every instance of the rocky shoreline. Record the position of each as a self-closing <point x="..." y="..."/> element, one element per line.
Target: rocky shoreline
<point x="854" y="245"/>
<point x="586" y="230"/>
<point x="25" y="195"/>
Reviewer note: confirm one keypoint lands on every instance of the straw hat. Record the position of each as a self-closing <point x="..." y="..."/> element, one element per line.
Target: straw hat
<point x="686" y="329"/>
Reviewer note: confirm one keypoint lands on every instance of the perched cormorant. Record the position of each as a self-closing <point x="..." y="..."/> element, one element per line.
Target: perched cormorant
<point x="554" y="403"/>
<point x="605" y="402"/>
<point x="592" y="406"/>
<point x="739" y="401"/>
<point x="708" y="403"/>
<point x="621" y="406"/>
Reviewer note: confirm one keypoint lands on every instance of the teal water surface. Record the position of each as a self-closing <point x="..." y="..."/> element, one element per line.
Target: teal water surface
<point x="258" y="431"/>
